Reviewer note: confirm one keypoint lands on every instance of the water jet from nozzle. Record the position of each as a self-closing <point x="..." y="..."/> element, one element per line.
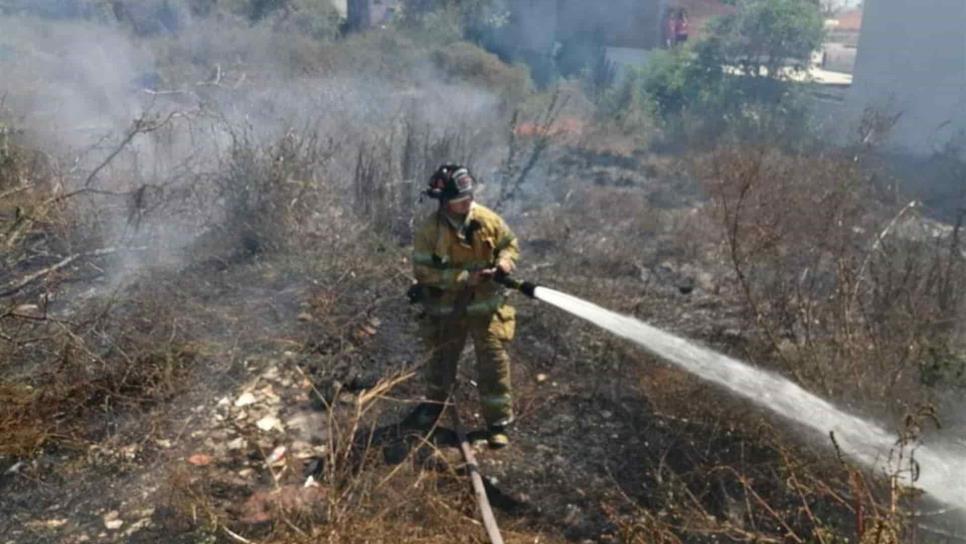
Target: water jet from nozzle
<point x="940" y="471"/>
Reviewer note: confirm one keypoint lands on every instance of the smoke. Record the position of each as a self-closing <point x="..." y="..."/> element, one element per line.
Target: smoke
<point x="157" y="112"/>
<point x="66" y="81"/>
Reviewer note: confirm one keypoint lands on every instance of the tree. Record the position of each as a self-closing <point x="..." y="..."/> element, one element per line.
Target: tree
<point x="766" y="36"/>
<point x="699" y="98"/>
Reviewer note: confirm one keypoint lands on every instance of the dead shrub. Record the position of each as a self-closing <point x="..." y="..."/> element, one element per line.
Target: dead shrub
<point x="54" y="408"/>
<point x="26" y="179"/>
<point x="20" y="168"/>
<point x="22" y="429"/>
<point x="64" y="377"/>
<point x="528" y="140"/>
<point x="57" y="404"/>
<point x="850" y="293"/>
<point x="267" y="192"/>
<point x="388" y="178"/>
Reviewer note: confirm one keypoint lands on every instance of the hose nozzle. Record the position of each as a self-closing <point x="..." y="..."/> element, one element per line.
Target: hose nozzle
<point x="525" y="287"/>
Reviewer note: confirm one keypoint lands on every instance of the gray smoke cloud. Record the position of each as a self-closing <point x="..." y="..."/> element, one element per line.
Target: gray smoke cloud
<point x="77" y="88"/>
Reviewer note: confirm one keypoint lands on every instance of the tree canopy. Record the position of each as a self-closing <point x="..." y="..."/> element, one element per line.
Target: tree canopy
<point x="766" y="36"/>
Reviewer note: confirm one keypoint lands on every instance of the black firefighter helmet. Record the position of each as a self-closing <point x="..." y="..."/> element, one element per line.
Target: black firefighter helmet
<point x="451" y="182"/>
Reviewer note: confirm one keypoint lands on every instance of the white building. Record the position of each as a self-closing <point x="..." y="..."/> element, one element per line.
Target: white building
<point x="342" y="6"/>
<point x="912" y="63"/>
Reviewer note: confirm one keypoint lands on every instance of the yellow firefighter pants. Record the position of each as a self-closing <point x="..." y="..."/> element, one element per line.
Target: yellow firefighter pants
<point x="445" y="338"/>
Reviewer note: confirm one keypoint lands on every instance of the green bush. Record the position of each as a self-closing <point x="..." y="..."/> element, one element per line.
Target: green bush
<point x="627" y="104"/>
<point x="942" y="366"/>
<point x="677" y="81"/>
<point x="465" y="62"/>
<point x="698" y="99"/>
<point x="691" y="91"/>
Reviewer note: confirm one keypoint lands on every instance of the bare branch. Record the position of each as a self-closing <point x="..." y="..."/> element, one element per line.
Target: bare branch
<point x="14" y="190"/>
<point x="27" y="280"/>
<point x="141" y="125"/>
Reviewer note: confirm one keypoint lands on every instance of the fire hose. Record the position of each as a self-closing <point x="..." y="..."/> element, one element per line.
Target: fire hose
<point x="416" y="293"/>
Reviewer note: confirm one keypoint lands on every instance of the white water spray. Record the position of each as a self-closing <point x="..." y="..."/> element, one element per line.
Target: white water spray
<point x="942" y="473"/>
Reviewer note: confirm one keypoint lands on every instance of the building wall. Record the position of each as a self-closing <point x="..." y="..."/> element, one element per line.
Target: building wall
<point x="534" y="25"/>
<point x="619" y="23"/>
<point x="357" y="14"/>
<point x="342" y="6"/>
<point x="538" y="24"/>
<point x="912" y="60"/>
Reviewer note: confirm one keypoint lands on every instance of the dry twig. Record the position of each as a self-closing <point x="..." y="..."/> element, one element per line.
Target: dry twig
<point x="16" y="286"/>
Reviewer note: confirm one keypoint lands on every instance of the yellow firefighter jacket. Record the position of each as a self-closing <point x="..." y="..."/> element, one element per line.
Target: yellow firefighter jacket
<point x="444" y="257"/>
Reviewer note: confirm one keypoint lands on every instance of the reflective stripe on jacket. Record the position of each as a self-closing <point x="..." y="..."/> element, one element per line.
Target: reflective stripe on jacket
<point x="443" y="261"/>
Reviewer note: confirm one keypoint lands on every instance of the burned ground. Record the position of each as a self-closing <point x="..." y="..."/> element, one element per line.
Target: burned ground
<point x="285" y="354"/>
<point x="235" y="384"/>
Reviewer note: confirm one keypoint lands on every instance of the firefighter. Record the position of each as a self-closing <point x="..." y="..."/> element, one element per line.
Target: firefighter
<point x="458" y="250"/>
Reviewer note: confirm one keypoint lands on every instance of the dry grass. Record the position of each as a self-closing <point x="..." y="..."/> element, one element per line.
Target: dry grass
<point x="108" y="362"/>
